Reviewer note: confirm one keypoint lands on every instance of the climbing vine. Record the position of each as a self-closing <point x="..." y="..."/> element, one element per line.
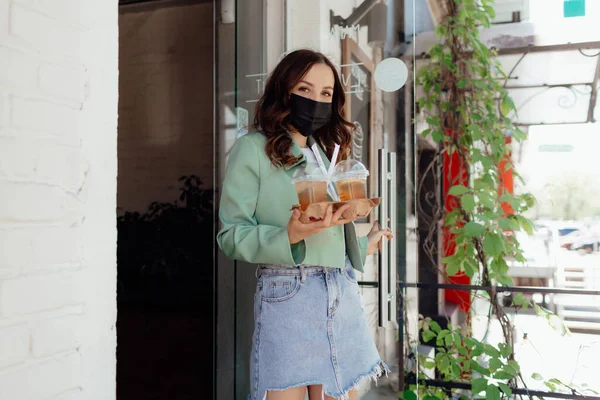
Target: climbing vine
<point x="469" y="116"/>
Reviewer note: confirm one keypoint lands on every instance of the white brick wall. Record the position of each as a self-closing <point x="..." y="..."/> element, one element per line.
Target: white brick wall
<point x="58" y="168"/>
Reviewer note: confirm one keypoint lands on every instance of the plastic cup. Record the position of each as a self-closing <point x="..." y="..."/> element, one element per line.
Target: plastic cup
<point x="311" y="187"/>
<point x="350" y="179"/>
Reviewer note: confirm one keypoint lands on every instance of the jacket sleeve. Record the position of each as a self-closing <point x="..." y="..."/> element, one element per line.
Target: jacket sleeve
<point x="241" y="237"/>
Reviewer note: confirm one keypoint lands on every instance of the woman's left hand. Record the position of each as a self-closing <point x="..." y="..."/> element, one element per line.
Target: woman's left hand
<point x="375" y="236"/>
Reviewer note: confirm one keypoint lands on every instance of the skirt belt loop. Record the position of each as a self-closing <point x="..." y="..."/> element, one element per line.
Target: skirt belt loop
<point x="302" y="274"/>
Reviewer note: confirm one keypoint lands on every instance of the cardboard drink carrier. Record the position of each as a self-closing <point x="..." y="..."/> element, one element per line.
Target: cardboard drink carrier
<point x="350" y="180"/>
<point x="358" y="208"/>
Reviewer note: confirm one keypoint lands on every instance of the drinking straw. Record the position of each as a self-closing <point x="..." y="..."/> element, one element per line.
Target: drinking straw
<point x="330" y="188"/>
<point x="317" y="153"/>
<point x="336" y="151"/>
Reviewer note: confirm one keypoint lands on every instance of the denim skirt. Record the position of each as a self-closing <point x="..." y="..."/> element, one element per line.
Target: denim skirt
<point x="310" y="329"/>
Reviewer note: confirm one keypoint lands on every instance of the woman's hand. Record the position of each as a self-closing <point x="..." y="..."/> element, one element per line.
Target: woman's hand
<point x="298" y="231"/>
<point x="375" y="236"/>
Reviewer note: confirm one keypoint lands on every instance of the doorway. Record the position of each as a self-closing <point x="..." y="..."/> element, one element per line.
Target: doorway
<point x="164" y="198"/>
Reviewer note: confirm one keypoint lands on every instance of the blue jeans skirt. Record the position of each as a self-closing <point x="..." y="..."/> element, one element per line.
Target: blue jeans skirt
<point x="310" y="329"/>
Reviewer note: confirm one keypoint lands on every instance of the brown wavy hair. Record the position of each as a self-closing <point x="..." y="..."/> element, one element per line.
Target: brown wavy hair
<point x="272" y="116"/>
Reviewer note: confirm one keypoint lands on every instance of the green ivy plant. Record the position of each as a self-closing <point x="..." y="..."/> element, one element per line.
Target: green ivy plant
<point x="470" y="114"/>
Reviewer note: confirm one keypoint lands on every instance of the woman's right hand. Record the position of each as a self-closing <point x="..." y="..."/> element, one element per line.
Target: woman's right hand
<point x="298" y="231"/>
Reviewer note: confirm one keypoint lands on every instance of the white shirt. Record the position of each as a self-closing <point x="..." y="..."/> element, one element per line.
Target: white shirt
<point x="310" y="157"/>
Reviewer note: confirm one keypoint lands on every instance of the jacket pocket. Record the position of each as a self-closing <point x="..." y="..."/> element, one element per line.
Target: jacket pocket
<point x="277" y="288"/>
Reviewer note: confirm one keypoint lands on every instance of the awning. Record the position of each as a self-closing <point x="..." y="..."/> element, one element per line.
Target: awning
<point x="554" y="70"/>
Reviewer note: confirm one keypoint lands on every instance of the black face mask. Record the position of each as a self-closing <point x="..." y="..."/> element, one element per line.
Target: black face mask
<point x="308" y="115"/>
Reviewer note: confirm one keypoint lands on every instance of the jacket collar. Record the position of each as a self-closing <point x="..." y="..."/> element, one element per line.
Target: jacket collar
<point x="296" y="152"/>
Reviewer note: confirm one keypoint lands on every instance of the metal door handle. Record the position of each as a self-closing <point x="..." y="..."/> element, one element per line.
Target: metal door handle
<point x="392" y="262"/>
<point x="388" y="275"/>
<point x="383" y="266"/>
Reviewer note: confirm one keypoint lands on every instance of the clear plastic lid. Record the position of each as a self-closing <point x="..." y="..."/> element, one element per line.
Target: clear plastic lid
<point x="350" y="169"/>
<point x="309" y="174"/>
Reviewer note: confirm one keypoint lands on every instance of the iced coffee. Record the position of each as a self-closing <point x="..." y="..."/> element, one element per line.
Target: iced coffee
<point x="350" y="189"/>
<point x="350" y="179"/>
<point x="311" y="186"/>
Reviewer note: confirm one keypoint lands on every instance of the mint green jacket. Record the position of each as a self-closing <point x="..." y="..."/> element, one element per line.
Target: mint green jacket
<point x="255" y="209"/>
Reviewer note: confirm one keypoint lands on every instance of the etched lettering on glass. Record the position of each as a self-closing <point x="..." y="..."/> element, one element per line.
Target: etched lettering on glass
<point x="356" y="86"/>
<point x="342" y="32"/>
<point x="358" y="137"/>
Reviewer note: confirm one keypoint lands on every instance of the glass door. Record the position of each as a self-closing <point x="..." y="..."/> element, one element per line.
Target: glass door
<point x="358" y="36"/>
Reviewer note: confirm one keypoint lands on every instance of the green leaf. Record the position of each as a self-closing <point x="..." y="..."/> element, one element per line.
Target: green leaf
<point x="492" y="393"/>
<point x="428" y="335"/>
<point x="514" y="365"/>
<point x="505" y="388"/>
<point x="433" y="121"/>
<point x="499" y="266"/>
<point x="505" y="107"/>
<point x="537" y="376"/>
<point x="468" y="202"/>
<point x="478" y="368"/>
<point x="443" y="333"/>
<point x="495" y="364"/>
<point x="541" y="311"/>
<point x="476" y="352"/>
<point x="505" y="349"/>
<point x="520" y="300"/>
<point x="478" y="385"/>
<point x="469" y="267"/>
<point x="444" y="364"/>
<point x="456" y="338"/>
<point x="467" y="365"/>
<point x="490" y="11"/>
<point x="452" y="268"/>
<point x="525" y="224"/>
<point x="487" y="201"/>
<point x="409" y="395"/>
<point x="503" y="375"/>
<point x="455" y="370"/>
<point x="504" y="224"/>
<point x="448" y="340"/>
<point x="504" y="280"/>
<point x="473" y="229"/>
<point x="461" y="83"/>
<point x="435" y="327"/>
<point x="491" y="351"/>
<point x="493" y="244"/>
<point x="458" y="190"/>
<point x="471" y="343"/>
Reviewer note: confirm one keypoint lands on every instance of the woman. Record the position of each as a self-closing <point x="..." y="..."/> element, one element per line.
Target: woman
<point x="310" y="329"/>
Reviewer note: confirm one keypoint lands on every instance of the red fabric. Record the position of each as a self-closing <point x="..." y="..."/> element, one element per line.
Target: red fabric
<point x="455" y="173"/>
<point x="506" y="180"/>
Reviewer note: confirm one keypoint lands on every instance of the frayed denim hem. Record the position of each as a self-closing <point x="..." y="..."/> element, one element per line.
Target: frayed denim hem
<point x="374" y="374"/>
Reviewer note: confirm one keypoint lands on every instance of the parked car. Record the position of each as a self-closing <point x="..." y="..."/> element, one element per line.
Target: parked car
<point x="567" y="240"/>
<point x="586" y="244"/>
